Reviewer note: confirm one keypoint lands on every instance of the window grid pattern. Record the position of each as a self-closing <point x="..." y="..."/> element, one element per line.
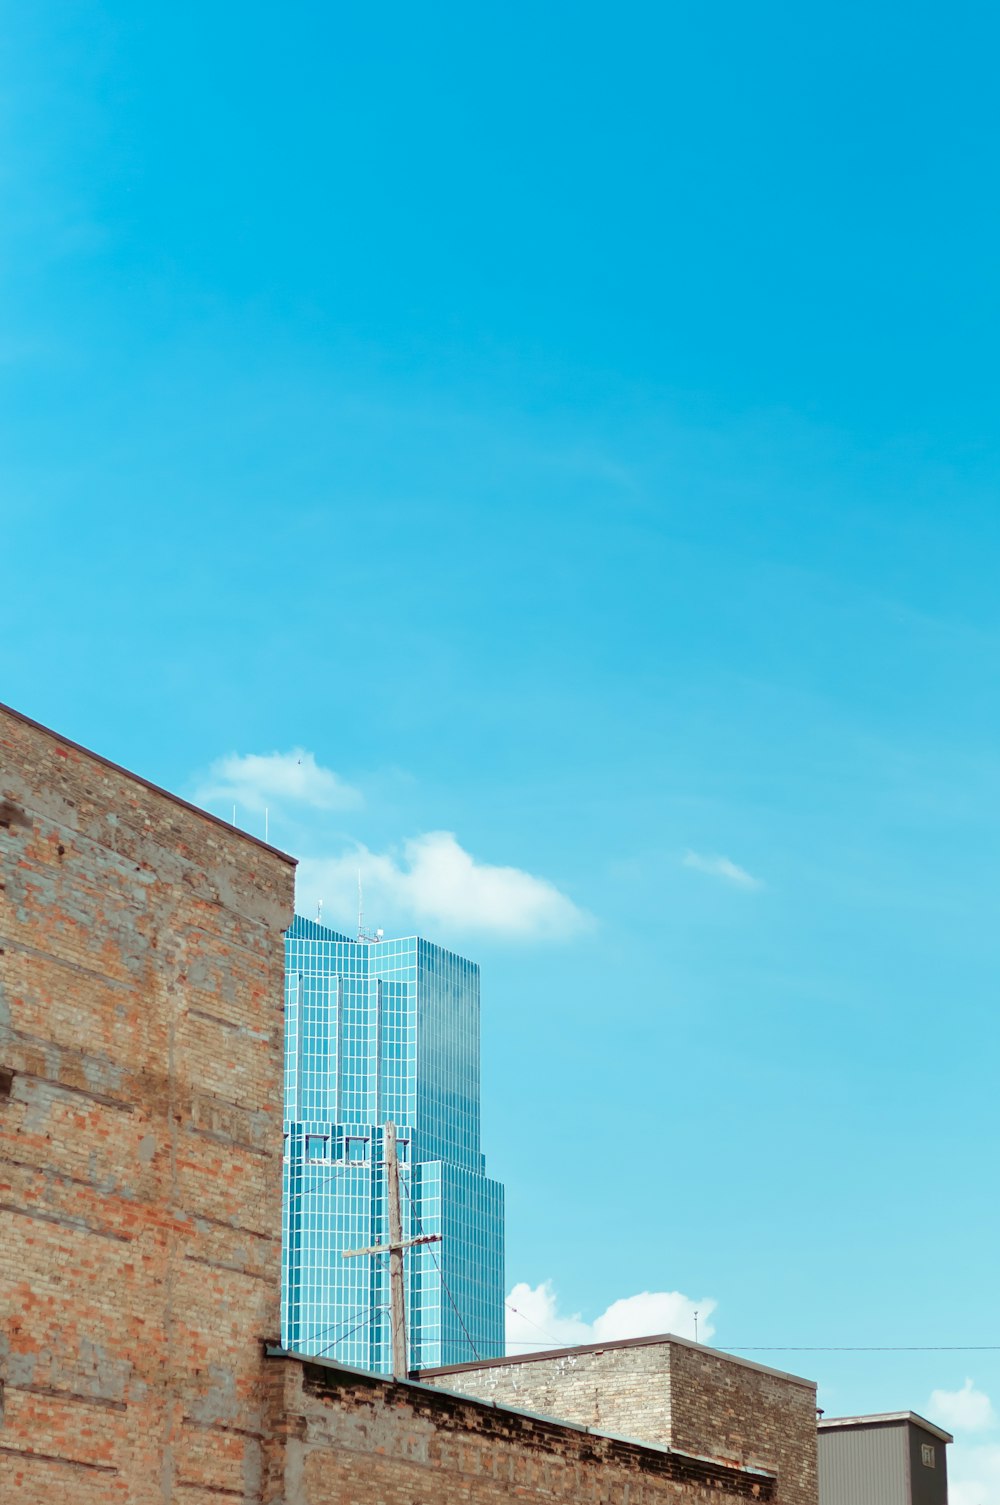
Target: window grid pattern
<point x="380" y="1031"/>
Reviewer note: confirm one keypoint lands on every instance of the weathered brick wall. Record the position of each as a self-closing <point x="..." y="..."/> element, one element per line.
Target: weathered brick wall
<point x="622" y="1390"/>
<point x="140" y="1082"/>
<point x="360" y="1440"/>
<point x="669" y="1391"/>
<point x="740" y="1410"/>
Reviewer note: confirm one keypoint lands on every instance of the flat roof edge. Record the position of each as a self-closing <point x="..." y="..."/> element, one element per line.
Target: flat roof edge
<point x="137" y="778"/>
<point x="882" y="1419"/>
<point x="275" y="1351"/>
<point x="616" y="1343"/>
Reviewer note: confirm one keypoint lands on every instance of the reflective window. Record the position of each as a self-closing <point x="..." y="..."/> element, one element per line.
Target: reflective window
<point x="379" y="1032"/>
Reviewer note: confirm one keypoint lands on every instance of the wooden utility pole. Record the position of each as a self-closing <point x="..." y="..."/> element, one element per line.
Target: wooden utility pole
<point x="394" y="1248"/>
<point x="397" y="1290"/>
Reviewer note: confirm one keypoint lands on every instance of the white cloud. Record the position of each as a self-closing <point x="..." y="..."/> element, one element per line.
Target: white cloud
<point x="431" y="880"/>
<point x="722" y="867"/>
<point x="536" y="1321"/>
<point x="965" y="1410"/>
<point x="973" y="1469"/>
<point x="974" y="1475"/>
<point x="438" y="883"/>
<point x="252" y="781"/>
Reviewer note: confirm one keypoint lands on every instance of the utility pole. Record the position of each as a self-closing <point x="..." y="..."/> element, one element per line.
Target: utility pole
<point x="394" y="1248"/>
<point x="397" y="1289"/>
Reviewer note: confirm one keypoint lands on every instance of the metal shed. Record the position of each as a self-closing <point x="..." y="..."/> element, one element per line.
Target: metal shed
<point x="898" y="1458"/>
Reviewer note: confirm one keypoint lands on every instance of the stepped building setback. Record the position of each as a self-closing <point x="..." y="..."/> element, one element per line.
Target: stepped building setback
<point x="385" y="1031"/>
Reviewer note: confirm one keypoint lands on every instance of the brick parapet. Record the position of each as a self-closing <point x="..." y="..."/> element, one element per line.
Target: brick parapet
<point x="668" y="1391"/>
<point x="354" y="1438"/>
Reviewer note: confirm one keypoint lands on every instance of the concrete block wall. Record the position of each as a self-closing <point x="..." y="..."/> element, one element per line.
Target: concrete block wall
<point x="140" y="1086"/>
<point x="669" y="1391"/>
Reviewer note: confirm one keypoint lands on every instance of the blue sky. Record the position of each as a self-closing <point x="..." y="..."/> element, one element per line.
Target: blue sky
<point x="575" y="429"/>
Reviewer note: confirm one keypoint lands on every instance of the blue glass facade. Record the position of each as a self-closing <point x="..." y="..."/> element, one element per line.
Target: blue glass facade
<point x="378" y="1032"/>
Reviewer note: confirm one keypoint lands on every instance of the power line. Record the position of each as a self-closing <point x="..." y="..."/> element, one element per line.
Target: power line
<point x="802" y="1348"/>
<point x="867" y="1348"/>
<point x="525" y="1318"/>
<point x="369" y="1312"/>
<point x="342" y="1323"/>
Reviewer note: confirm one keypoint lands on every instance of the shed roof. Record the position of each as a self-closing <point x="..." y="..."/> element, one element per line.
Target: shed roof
<point x="882" y="1419"/>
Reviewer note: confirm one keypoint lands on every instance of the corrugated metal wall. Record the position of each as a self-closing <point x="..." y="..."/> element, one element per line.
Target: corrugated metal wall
<point x="864" y="1466"/>
<point x="928" y="1486"/>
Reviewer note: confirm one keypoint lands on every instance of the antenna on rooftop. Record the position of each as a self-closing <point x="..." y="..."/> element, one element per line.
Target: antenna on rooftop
<point x="365" y="937"/>
<point x="696" y="1327"/>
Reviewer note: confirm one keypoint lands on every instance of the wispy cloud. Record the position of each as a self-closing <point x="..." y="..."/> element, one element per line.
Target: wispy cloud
<point x="534" y="1320"/>
<point x="255" y="780"/>
<point x="973" y="1467"/>
<point x="964" y="1410"/>
<point x="433" y="880"/>
<point x="974" y="1475"/>
<point x="722" y="867"/>
<point x="427" y="880"/>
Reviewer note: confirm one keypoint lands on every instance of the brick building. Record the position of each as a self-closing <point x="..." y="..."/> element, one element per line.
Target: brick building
<point x="140" y="1147"/>
<point x="668" y="1391"/>
<point x="355" y="1437"/>
<point x="140" y="1079"/>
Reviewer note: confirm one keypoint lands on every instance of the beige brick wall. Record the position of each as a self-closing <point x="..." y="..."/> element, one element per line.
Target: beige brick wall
<point x="669" y="1391"/>
<point x="740" y="1410"/>
<point x="140" y="1082"/>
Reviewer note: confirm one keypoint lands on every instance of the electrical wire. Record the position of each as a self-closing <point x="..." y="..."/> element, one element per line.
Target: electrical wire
<point x="721" y="1347"/>
<point x="342" y="1323"/>
<point x="867" y="1348"/>
<point x="525" y="1318"/>
<point x="433" y="1255"/>
<point x="371" y="1311"/>
<point x="817" y="1348"/>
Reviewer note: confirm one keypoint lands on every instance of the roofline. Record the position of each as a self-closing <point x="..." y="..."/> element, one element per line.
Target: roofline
<point x="563" y="1353"/>
<point x="338" y="937"/>
<point x="137" y="778"/>
<point x="882" y="1419"/>
<point x="275" y="1351"/>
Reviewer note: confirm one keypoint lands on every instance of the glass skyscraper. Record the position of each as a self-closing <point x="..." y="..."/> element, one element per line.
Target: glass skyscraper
<point x="376" y="1032"/>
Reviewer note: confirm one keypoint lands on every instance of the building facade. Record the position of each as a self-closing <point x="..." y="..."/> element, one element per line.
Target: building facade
<point x="894" y="1458"/>
<point x="385" y="1031"/>
<point x="140" y="1078"/>
<point x="667" y="1392"/>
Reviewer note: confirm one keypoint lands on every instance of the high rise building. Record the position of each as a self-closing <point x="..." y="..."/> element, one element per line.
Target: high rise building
<point x="385" y="1031"/>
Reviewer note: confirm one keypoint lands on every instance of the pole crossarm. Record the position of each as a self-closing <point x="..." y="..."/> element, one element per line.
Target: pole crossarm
<point x="394" y="1248"/>
<point x="408" y="1243"/>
